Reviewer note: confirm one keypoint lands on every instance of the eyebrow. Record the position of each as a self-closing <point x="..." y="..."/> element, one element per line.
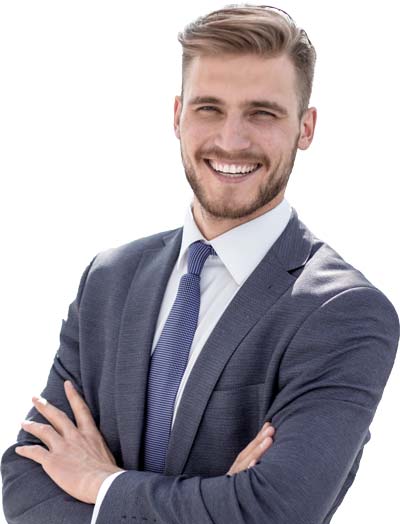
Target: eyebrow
<point x="269" y="104"/>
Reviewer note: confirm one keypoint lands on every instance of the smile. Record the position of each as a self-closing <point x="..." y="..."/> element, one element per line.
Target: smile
<point x="232" y="171"/>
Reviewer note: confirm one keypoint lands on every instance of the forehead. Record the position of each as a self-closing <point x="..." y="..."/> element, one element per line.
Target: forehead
<point x="236" y="77"/>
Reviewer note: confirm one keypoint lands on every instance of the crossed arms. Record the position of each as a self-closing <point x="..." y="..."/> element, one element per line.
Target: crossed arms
<point x="77" y="458"/>
<point x="322" y="413"/>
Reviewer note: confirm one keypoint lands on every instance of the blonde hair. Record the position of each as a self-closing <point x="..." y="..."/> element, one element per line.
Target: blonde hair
<point x="262" y="30"/>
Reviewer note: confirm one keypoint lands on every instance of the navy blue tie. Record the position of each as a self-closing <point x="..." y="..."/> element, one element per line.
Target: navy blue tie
<point x="169" y="359"/>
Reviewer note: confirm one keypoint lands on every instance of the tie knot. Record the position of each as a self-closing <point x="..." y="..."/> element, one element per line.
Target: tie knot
<point x="198" y="253"/>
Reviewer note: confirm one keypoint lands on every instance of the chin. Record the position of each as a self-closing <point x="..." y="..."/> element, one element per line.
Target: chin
<point x="229" y="212"/>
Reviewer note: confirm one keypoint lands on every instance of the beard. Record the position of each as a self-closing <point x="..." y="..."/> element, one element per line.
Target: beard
<point x="267" y="191"/>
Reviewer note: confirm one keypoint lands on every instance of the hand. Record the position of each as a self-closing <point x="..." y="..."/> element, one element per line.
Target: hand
<point x="250" y="455"/>
<point x="77" y="459"/>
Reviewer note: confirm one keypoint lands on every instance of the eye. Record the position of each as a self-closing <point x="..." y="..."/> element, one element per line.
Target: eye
<point x="264" y="113"/>
<point x="207" y="108"/>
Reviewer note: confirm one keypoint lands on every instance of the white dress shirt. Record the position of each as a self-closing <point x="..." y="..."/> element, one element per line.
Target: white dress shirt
<point x="239" y="251"/>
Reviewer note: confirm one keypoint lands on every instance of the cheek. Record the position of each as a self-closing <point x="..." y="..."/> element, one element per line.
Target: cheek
<point x="276" y="141"/>
<point x="195" y="138"/>
<point x="199" y="128"/>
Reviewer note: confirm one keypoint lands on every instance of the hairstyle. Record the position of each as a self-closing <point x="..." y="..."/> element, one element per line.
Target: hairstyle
<point x="262" y="30"/>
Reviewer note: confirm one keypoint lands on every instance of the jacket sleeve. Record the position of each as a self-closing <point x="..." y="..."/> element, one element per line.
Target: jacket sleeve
<point x="29" y="495"/>
<point x="332" y="376"/>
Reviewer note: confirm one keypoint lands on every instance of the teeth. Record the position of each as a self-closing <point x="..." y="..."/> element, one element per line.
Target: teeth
<point x="233" y="169"/>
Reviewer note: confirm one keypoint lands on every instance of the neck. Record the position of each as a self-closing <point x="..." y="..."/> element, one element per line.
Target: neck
<point x="211" y="226"/>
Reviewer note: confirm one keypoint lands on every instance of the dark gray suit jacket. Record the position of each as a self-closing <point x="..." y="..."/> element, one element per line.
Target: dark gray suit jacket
<point x="307" y="343"/>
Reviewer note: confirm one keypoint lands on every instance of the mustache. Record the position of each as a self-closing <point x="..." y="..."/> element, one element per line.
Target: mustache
<point x="244" y="156"/>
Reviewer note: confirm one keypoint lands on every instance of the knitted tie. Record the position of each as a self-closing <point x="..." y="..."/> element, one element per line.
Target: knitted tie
<point x="169" y="359"/>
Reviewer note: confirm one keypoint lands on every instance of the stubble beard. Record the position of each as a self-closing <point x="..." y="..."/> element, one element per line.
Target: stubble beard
<point x="276" y="182"/>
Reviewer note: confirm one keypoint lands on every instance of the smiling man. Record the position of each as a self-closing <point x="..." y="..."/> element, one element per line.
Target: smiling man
<point x="185" y="352"/>
<point x="239" y="127"/>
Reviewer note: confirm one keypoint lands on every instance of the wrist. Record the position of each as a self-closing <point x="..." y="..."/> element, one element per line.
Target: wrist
<point x="98" y="478"/>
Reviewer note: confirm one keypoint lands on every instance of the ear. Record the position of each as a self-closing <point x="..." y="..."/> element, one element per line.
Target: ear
<point x="177" y="115"/>
<point x="307" y="128"/>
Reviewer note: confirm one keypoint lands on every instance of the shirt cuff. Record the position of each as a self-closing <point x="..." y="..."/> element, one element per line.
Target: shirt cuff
<point x="102" y="493"/>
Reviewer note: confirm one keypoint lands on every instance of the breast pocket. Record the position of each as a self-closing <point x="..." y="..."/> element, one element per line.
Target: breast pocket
<point x="235" y="403"/>
<point x="231" y="420"/>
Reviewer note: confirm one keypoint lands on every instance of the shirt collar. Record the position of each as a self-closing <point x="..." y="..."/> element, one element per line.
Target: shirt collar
<point x="242" y="248"/>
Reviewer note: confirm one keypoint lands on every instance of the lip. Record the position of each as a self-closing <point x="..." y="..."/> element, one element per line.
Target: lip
<point x="231" y="180"/>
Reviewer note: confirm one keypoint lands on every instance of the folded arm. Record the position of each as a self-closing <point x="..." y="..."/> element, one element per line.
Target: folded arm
<point x="45" y="484"/>
<point x="332" y="378"/>
<point x="29" y="494"/>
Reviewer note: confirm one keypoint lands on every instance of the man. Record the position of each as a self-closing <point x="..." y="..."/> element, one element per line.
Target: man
<point x="183" y="344"/>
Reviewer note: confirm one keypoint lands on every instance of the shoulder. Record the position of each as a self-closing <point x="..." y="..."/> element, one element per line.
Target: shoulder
<point x="341" y="296"/>
<point x="327" y="273"/>
<point x="342" y="320"/>
<point x="123" y="257"/>
<point x="325" y="282"/>
<point x="322" y="272"/>
<point x="113" y="269"/>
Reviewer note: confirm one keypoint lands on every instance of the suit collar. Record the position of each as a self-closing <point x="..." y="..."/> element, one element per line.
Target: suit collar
<point x="291" y="249"/>
<point x="294" y="246"/>
<point x="241" y="248"/>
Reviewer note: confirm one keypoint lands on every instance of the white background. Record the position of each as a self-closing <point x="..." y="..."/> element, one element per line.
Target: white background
<point x="89" y="160"/>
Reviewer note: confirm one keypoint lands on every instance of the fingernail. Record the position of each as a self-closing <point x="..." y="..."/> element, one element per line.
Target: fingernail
<point x="268" y="432"/>
<point x="41" y="400"/>
<point x="26" y="422"/>
<point x="68" y="383"/>
<point x="265" y="442"/>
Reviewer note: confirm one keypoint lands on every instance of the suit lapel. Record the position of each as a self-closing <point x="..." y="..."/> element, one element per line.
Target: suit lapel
<point x="261" y="290"/>
<point x="135" y="341"/>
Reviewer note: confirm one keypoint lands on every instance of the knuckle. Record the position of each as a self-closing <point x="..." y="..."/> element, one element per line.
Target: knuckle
<point x="84" y="408"/>
<point x="89" y="436"/>
<point x="64" y="416"/>
<point x="75" y="436"/>
<point x="45" y="428"/>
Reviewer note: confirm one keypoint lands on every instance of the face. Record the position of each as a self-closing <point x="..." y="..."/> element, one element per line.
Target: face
<point x="239" y="131"/>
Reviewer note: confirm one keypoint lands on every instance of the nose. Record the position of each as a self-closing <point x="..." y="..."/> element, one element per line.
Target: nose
<point x="232" y="135"/>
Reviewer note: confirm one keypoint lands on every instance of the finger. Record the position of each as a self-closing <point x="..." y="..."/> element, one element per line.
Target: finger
<point x="255" y="455"/>
<point x="36" y="453"/>
<point x="44" y="432"/>
<point x="254" y="450"/>
<point x="252" y="463"/>
<point x="83" y="416"/>
<point x="266" y="431"/>
<point x="57" y="418"/>
<point x="259" y="451"/>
